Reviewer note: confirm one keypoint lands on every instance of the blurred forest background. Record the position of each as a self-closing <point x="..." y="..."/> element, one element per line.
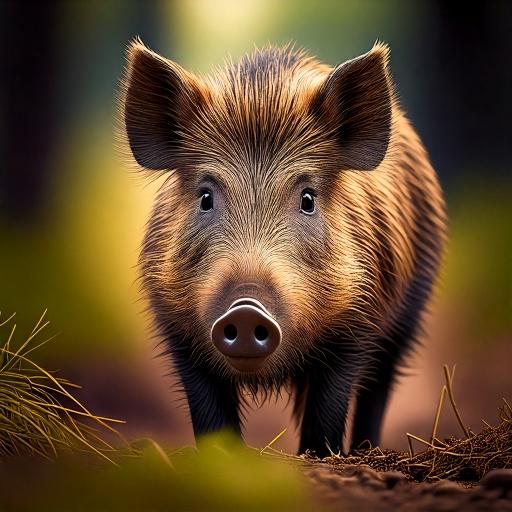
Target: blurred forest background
<point x="72" y="215"/>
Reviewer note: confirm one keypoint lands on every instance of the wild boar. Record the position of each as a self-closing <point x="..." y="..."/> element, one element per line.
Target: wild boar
<point x="296" y="238"/>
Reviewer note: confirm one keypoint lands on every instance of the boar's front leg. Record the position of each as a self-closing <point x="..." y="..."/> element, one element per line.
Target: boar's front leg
<point x="327" y="387"/>
<point x="374" y="389"/>
<point x="372" y="397"/>
<point x="213" y="402"/>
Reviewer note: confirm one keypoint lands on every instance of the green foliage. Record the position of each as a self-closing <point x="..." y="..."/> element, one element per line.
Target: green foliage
<point x="224" y="475"/>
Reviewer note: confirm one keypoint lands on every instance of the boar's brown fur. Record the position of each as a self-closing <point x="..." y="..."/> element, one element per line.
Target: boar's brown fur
<point x="347" y="284"/>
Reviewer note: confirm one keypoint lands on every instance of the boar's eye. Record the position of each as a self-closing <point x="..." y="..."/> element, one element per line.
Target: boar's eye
<point x="206" y="201"/>
<point x="307" y="202"/>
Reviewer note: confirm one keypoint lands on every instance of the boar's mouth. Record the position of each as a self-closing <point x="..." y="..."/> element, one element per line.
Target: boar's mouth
<point x="246" y="364"/>
<point x="246" y="335"/>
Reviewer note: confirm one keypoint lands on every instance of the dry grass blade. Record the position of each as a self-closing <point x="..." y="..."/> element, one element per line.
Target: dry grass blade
<point x="269" y="445"/>
<point x="436" y="421"/>
<point x="33" y="420"/>
<point x="449" y="390"/>
<point x="467" y="459"/>
<point x="463" y="460"/>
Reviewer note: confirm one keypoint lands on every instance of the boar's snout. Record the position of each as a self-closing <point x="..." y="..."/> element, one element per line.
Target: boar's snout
<point x="246" y="335"/>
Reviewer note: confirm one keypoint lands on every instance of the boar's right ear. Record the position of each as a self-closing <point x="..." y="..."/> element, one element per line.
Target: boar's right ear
<point x="159" y="98"/>
<point x="355" y="102"/>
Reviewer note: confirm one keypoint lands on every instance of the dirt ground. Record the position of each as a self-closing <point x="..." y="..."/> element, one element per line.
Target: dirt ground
<point x="360" y="489"/>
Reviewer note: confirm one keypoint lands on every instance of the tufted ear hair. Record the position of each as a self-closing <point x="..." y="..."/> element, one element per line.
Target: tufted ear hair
<point x="159" y="100"/>
<point x="356" y="103"/>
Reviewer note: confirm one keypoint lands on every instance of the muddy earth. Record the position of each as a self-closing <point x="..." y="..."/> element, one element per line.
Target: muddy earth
<point x="360" y="488"/>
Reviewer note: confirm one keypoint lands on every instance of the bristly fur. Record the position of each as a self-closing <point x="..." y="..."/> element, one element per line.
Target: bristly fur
<point x="347" y="285"/>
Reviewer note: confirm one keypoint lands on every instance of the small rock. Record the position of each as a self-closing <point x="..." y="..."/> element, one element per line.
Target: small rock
<point x="392" y="478"/>
<point x="485" y="494"/>
<point x="446" y="488"/>
<point x="501" y="478"/>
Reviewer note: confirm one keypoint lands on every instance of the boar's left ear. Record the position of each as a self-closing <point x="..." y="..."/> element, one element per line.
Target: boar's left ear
<point x="356" y="103"/>
<point x="159" y="98"/>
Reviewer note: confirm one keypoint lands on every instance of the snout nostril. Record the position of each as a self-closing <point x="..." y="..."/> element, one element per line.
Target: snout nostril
<point x="246" y="335"/>
<point x="261" y="333"/>
<point x="230" y="332"/>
